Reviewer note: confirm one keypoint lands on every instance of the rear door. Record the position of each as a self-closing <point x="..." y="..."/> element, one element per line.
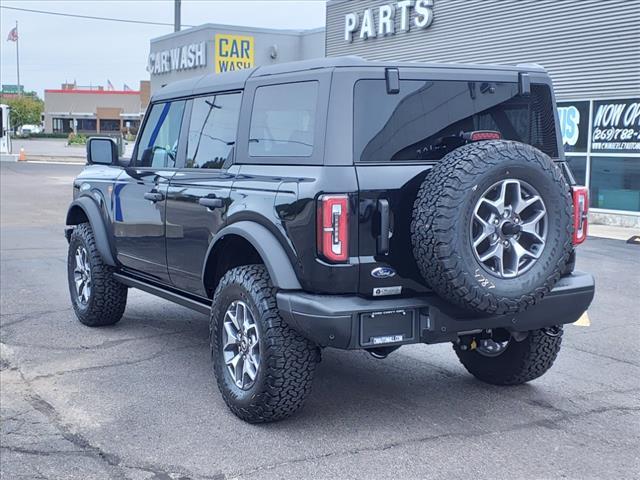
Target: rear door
<point x="141" y="190"/>
<point x="399" y="137"/>
<point x="198" y="195"/>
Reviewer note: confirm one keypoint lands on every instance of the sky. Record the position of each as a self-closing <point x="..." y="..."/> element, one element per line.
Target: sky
<point x="55" y="49"/>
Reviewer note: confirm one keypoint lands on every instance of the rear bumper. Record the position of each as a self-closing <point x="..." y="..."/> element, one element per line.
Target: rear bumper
<point x="352" y="322"/>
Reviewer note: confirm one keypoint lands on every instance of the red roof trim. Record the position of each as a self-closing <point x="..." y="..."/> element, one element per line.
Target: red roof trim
<point x="99" y="92"/>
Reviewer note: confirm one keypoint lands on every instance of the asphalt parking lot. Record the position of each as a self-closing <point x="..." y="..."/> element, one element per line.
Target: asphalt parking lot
<point x="138" y="400"/>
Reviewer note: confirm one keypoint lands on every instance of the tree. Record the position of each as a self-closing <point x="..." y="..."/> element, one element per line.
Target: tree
<point x="25" y="110"/>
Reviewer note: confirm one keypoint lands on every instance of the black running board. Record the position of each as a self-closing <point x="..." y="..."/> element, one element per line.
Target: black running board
<point x="172" y="296"/>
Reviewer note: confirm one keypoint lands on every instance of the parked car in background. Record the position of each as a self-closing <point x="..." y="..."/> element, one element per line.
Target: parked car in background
<point x="26" y="130"/>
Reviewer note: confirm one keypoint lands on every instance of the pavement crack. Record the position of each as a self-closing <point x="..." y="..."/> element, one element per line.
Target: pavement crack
<point x="29" y="316"/>
<point x="42" y="453"/>
<point x="158" y="354"/>
<point x="84" y="447"/>
<point x="100" y="346"/>
<point x="550" y="423"/>
<point x="602" y="355"/>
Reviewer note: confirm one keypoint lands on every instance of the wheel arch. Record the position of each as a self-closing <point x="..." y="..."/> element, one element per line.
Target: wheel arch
<point x="83" y="210"/>
<point x="245" y="243"/>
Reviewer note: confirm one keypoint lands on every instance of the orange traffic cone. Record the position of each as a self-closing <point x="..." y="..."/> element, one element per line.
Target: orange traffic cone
<point x="22" y="157"/>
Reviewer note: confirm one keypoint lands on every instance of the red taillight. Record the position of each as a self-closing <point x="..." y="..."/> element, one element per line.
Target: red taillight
<point x="484" y="135"/>
<point x="580" y="210"/>
<point x="333" y="227"/>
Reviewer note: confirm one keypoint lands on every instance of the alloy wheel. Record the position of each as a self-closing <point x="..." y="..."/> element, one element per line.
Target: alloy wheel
<point x="241" y="348"/>
<point x="82" y="275"/>
<point x="509" y="228"/>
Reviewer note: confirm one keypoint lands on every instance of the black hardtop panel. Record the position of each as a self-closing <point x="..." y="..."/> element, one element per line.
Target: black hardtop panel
<point x="204" y="84"/>
<point x="236" y="80"/>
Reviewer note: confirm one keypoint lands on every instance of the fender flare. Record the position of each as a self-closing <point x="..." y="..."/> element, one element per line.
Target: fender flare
<point x="92" y="212"/>
<point x="282" y="274"/>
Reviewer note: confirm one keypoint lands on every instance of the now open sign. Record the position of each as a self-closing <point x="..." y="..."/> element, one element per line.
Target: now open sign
<point x="233" y="52"/>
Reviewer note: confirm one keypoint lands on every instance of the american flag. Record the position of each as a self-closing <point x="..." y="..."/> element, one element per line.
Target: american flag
<point x="13" y="35"/>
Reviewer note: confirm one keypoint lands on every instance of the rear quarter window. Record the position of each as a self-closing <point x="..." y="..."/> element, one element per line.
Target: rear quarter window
<point x="283" y="120"/>
<point x="426" y="120"/>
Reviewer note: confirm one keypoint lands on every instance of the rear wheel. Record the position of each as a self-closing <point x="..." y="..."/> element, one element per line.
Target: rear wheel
<point x="264" y="369"/>
<point x="511" y="362"/>
<point x="98" y="299"/>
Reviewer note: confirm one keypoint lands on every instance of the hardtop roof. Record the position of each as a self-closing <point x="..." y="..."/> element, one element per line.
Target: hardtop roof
<point x="235" y="80"/>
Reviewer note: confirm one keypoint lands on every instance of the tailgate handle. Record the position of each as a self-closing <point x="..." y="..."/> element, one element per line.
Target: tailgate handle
<point x="383" y="238"/>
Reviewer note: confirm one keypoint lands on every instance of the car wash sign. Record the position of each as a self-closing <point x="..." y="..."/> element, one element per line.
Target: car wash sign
<point x="176" y="59"/>
<point x="387" y="19"/>
<point x="233" y="52"/>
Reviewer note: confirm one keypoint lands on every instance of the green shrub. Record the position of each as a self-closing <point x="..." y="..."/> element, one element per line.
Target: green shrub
<point x="76" y="139"/>
<point x="43" y="135"/>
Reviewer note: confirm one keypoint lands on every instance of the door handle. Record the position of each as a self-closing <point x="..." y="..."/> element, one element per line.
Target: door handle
<point x="211" y="203"/>
<point x="153" y="196"/>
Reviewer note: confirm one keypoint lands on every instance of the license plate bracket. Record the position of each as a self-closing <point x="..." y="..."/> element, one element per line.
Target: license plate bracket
<point x="386" y="327"/>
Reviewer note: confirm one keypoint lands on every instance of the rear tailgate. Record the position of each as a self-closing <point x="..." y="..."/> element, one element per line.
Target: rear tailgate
<point x="388" y="270"/>
<point x="398" y="138"/>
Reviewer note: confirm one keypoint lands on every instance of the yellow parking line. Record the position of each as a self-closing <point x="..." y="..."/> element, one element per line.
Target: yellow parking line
<point x="583" y="321"/>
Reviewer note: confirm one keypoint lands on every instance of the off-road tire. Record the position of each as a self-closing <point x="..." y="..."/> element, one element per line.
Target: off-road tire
<point x="442" y="214"/>
<point x="287" y="360"/>
<point x="108" y="298"/>
<point x="519" y="363"/>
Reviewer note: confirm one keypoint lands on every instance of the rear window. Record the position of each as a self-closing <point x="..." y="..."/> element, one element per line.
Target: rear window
<point x="427" y="119"/>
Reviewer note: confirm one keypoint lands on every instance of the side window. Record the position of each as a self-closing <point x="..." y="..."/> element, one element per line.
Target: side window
<point x="212" y="130"/>
<point x="283" y="120"/>
<point x="158" y="145"/>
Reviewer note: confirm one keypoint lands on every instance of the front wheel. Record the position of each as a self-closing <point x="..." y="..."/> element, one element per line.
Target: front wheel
<point x="97" y="297"/>
<point x="513" y="362"/>
<point x="263" y="368"/>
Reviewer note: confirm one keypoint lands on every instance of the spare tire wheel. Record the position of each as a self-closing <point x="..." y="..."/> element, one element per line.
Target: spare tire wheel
<point x="492" y="226"/>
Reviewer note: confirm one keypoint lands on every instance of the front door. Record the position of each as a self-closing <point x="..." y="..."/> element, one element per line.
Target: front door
<point x="140" y="195"/>
<point x="198" y="195"/>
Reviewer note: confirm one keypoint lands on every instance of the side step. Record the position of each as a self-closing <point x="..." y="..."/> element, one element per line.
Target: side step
<point x="170" y="295"/>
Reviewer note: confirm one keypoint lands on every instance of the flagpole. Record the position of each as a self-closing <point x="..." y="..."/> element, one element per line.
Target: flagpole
<point x="18" y="58"/>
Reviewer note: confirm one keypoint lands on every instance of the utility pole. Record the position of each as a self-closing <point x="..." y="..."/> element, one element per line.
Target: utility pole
<point x="18" y="59"/>
<point x="176" y="16"/>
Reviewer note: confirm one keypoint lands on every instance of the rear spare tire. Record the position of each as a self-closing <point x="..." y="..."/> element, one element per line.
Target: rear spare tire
<point x="492" y="226"/>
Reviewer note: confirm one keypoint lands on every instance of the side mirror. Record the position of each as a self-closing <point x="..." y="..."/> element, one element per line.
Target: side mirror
<point x="102" y="151"/>
<point x="147" y="157"/>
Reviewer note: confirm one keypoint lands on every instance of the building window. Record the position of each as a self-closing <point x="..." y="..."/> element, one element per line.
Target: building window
<point x="109" y="125"/>
<point x="615" y="183"/>
<point x="212" y="130"/>
<point x="602" y="148"/>
<point x="87" y="125"/>
<point x="131" y="126"/>
<point x="283" y="120"/>
<point x="62" y="125"/>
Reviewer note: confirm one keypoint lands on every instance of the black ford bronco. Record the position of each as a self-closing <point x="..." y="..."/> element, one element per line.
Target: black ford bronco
<point x="340" y="203"/>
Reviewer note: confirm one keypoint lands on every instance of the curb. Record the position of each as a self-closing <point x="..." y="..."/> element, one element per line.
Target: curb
<point x="50" y="159"/>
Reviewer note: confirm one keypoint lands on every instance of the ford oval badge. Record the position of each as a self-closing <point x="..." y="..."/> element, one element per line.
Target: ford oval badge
<point x="383" y="272"/>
